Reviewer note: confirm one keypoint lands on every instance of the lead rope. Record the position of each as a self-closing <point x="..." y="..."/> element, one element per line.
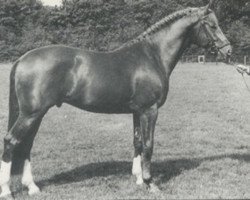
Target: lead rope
<point x="245" y="82"/>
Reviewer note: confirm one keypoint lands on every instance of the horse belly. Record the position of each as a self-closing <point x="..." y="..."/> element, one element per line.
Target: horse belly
<point x="103" y="96"/>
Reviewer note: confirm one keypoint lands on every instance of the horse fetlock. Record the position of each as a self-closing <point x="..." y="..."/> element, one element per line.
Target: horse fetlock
<point x="146" y="176"/>
<point x="26" y="182"/>
<point x="5" y="191"/>
<point x="139" y="179"/>
<point x="27" y="179"/>
<point x="136" y="168"/>
<point x="32" y="187"/>
<point x="5" y="173"/>
<point x="4" y="178"/>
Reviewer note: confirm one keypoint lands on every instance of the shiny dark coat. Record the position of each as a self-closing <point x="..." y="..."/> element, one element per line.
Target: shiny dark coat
<point x="132" y="79"/>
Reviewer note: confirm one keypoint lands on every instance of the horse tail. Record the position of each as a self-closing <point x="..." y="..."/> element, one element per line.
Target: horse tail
<point x="17" y="161"/>
<point x="13" y="102"/>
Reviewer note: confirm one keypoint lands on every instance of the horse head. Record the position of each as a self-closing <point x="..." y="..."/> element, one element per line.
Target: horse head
<point x="208" y="34"/>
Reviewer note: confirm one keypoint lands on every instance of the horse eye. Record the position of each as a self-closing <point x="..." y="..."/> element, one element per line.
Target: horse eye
<point x="214" y="27"/>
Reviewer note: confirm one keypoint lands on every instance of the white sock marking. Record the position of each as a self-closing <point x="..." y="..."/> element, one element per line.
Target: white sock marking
<point x="5" y="190"/>
<point x="137" y="170"/>
<point x="27" y="179"/>
<point x="4" y="178"/>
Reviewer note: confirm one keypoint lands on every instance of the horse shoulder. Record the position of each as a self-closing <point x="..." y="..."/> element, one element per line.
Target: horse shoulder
<point x="147" y="87"/>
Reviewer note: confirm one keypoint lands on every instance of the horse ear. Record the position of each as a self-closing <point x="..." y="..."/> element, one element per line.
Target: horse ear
<point x="208" y="7"/>
<point x="211" y="2"/>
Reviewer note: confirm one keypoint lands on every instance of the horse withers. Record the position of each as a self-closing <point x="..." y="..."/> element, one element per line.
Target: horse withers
<point x="131" y="79"/>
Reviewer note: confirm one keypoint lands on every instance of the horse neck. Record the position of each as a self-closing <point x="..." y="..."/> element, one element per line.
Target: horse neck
<point x="172" y="42"/>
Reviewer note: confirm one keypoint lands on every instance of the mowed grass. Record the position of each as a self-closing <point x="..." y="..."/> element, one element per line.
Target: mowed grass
<point x="202" y="143"/>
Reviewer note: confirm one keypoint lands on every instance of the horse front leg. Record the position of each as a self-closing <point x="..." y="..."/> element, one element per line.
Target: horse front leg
<point x="147" y="123"/>
<point x="136" y="168"/>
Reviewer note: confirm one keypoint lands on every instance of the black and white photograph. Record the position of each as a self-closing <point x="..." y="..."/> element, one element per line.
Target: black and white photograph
<point x="124" y="99"/>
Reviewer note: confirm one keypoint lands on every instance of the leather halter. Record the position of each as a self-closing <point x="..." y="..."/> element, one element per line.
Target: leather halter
<point x="212" y="43"/>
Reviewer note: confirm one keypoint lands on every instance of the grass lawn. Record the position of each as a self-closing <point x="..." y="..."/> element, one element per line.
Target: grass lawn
<point x="202" y="143"/>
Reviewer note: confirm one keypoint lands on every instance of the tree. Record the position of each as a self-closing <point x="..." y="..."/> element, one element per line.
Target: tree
<point x="103" y="24"/>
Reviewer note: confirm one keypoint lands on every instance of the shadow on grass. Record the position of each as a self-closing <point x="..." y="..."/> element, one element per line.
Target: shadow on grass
<point x="162" y="171"/>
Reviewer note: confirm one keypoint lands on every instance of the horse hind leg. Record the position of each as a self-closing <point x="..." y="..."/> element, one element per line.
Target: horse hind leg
<point x="21" y="159"/>
<point x="136" y="168"/>
<point x="19" y="134"/>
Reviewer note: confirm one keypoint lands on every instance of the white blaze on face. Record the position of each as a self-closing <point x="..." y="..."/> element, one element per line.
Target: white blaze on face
<point x="27" y="179"/>
<point x="137" y="170"/>
<point x="4" y="178"/>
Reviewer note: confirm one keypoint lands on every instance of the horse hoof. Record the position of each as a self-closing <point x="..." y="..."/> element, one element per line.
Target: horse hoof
<point x="139" y="181"/>
<point x="153" y="188"/>
<point x="33" y="190"/>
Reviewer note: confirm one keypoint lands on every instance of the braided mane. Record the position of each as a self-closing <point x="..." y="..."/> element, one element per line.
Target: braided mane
<point x="168" y="20"/>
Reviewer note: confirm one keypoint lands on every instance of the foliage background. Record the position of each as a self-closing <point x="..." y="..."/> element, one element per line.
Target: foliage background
<point x="103" y="24"/>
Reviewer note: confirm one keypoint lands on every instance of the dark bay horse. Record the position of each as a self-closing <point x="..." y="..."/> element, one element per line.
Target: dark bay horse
<point x="131" y="79"/>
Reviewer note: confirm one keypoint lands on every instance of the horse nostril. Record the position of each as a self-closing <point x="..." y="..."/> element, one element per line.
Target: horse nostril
<point x="229" y="52"/>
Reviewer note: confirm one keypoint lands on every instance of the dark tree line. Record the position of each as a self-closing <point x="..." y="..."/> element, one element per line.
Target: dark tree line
<point x="103" y="24"/>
